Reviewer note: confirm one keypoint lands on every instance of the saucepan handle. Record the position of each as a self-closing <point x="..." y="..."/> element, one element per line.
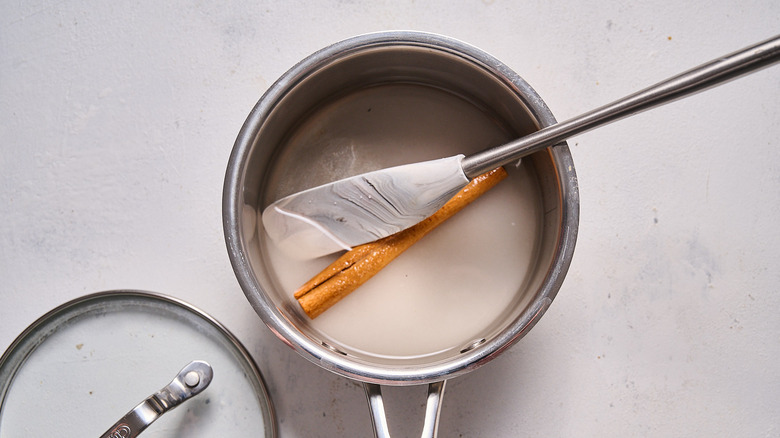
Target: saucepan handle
<point x="432" y="409"/>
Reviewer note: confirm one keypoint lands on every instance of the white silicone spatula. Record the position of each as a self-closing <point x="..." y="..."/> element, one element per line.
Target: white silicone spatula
<point x="367" y="207"/>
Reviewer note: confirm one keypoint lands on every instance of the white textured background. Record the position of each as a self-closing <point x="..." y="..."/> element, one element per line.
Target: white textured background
<point x="117" y="119"/>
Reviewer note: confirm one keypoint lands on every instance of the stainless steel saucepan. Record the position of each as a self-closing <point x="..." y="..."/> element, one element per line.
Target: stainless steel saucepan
<point x="274" y="155"/>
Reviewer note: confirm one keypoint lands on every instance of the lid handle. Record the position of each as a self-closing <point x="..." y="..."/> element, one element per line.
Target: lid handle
<point x="190" y="381"/>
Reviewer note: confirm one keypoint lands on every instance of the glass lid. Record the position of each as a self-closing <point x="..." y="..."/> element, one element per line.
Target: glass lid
<point x="84" y="365"/>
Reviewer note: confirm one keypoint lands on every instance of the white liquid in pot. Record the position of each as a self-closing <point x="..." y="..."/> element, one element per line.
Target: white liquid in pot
<point x="449" y="288"/>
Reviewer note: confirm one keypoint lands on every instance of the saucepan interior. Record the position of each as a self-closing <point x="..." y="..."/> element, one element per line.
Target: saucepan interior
<point x="471" y="288"/>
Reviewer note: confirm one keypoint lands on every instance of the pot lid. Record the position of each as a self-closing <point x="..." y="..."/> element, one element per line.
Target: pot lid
<point x="82" y="366"/>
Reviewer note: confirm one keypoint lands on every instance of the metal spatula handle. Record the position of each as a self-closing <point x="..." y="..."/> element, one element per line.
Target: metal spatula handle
<point x="702" y="77"/>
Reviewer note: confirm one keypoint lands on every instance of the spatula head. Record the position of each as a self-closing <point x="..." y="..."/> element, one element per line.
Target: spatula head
<point x="349" y="212"/>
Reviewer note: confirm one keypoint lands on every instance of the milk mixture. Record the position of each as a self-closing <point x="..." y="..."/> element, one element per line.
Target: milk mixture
<point x="447" y="290"/>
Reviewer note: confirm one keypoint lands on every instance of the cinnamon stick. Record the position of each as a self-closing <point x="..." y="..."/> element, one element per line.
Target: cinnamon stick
<point x="361" y="263"/>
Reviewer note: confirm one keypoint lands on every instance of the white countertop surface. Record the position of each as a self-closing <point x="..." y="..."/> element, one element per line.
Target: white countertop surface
<point x="117" y="120"/>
